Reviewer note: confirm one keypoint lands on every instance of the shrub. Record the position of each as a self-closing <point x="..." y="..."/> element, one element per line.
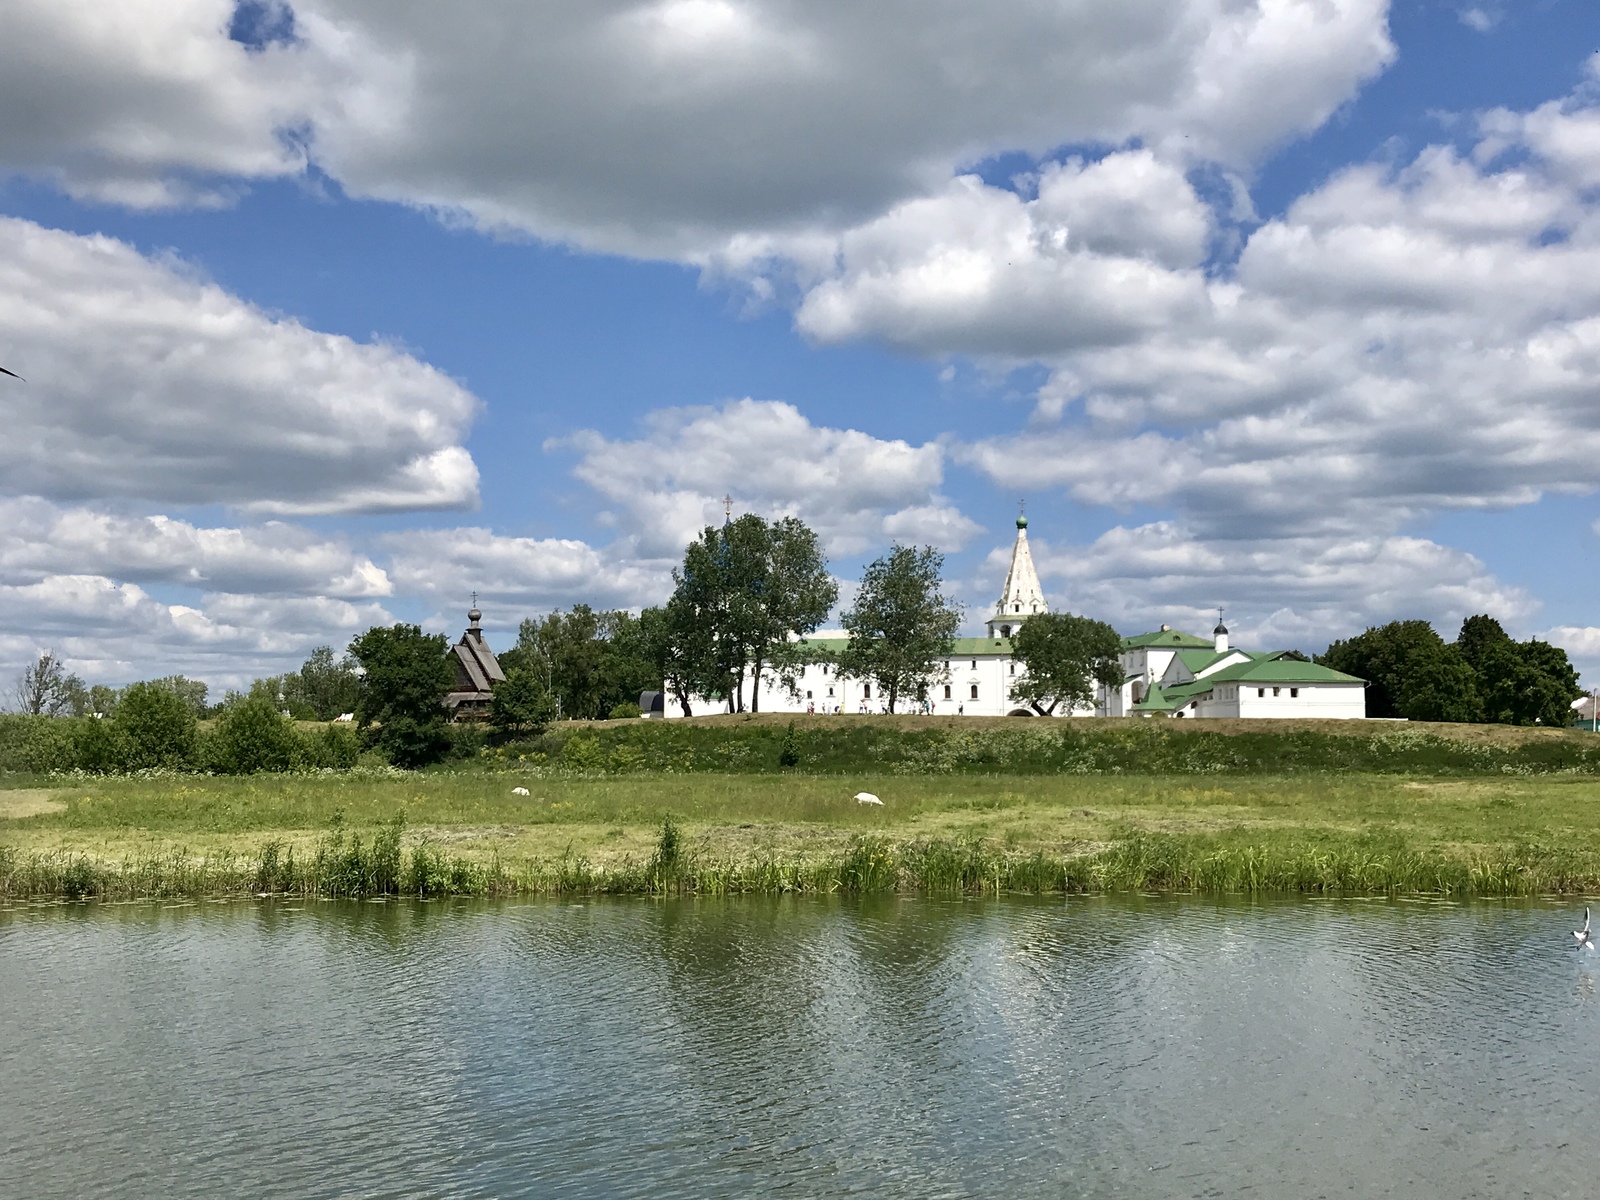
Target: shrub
<point x="252" y="735"/>
<point x="522" y="705"/>
<point x="156" y="727"/>
<point x="625" y="710"/>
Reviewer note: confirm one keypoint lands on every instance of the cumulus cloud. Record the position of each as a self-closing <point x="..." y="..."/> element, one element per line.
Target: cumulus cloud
<point x="856" y="490"/>
<point x="145" y="382"/>
<point x="661" y="127"/>
<point x="515" y="574"/>
<point x="39" y="539"/>
<point x="1279" y="592"/>
<point x="148" y="104"/>
<point x="109" y="630"/>
<point x="1401" y="341"/>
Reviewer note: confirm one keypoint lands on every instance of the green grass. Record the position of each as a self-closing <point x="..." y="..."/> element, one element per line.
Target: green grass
<point x="465" y="832"/>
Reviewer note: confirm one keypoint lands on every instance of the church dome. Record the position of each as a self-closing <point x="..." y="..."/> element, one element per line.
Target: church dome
<point x="1022" y="521"/>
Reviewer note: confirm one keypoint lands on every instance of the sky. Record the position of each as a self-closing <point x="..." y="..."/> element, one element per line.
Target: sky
<point x="334" y="312"/>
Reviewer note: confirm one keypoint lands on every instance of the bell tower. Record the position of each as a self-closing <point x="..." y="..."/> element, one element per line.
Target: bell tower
<point x="1022" y="597"/>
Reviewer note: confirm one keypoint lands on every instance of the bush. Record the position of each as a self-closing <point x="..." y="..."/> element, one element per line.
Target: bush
<point x="522" y="705"/>
<point x="252" y="735"/>
<point x="625" y="710"/>
<point x="98" y="746"/>
<point x="157" y="728"/>
<point x="336" y="746"/>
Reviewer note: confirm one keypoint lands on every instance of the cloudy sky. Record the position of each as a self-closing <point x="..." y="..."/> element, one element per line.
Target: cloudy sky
<point x="334" y="311"/>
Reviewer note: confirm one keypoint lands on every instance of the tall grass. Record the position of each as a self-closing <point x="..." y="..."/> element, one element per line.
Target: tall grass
<point x="347" y="863"/>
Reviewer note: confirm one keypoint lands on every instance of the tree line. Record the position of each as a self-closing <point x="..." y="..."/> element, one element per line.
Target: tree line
<point x="1483" y="676"/>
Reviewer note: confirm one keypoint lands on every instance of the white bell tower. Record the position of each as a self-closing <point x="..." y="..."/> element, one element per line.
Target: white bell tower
<point x="1022" y="596"/>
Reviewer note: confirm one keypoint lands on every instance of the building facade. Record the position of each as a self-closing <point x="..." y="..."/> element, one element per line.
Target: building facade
<point x="1170" y="673"/>
<point x="976" y="678"/>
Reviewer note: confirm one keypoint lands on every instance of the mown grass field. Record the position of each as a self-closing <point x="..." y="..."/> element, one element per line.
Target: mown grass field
<point x="1522" y="816"/>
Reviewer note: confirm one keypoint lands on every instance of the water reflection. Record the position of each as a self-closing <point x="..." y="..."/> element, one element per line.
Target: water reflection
<point x="1093" y="1047"/>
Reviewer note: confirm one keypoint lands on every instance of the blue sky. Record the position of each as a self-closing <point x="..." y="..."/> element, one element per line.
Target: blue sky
<point x="1288" y="308"/>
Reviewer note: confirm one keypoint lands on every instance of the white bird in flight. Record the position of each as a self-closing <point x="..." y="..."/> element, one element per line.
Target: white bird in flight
<point x="1582" y="935"/>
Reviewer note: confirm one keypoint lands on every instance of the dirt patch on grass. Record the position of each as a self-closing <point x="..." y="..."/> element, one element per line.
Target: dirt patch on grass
<point x="30" y="802"/>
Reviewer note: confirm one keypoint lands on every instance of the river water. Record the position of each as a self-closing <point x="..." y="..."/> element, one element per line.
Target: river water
<point x="1082" y="1047"/>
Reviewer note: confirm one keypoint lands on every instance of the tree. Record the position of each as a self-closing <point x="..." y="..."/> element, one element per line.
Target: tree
<point x="44" y="689"/>
<point x="743" y="590"/>
<point x="326" y="686"/>
<point x="155" y="727"/>
<point x="252" y="735"/>
<point x="402" y="692"/>
<point x="1379" y="656"/>
<point x="1478" y="636"/>
<point x="1439" y="684"/>
<point x="522" y="706"/>
<point x="1065" y="656"/>
<point x="191" y="691"/>
<point x="901" y="625"/>
<point x="1527" y="683"/>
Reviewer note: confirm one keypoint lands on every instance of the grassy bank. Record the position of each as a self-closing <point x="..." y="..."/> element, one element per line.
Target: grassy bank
<point x="467" y="832"/>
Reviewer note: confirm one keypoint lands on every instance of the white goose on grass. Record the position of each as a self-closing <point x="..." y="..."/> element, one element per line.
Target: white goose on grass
<point x="1585" y="942"/>
<point x="867" y="798"/>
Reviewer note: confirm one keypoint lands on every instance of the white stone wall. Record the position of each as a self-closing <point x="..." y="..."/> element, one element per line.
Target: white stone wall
<point x="1327" y="701"/>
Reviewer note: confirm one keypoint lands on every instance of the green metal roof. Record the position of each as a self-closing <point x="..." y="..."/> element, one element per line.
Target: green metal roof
<point x="1155" y="700"/>
<point x="1278" y="670"/>
<point x="1168" y="639"/>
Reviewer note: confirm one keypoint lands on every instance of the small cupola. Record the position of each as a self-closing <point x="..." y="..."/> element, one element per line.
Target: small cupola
<point x="1221" y="634"/>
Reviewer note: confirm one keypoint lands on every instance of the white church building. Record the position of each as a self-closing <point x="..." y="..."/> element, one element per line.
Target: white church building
<point x="1166" y="673"/>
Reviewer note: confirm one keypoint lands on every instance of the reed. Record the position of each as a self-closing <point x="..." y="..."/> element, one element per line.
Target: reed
<point x="350" y="864"/>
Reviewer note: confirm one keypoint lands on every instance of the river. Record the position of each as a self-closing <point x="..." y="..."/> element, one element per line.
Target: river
<point x="1143" y="1046"/>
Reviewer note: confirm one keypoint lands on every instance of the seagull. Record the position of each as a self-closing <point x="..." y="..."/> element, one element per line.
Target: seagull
<point x="13" y="374"/>
<point x="1582" y="935"/>
<point x="867" y="798"/>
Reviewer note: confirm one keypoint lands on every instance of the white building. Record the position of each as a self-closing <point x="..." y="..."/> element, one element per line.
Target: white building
<point x="976" y="678"/>
<point x="1175" y="674"/>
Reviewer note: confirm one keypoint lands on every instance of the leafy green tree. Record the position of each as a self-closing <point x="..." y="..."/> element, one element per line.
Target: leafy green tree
<point x="155" y="727"/>
<point x="1439" y="684"/>
<point x="743" y="590"/>
<point x="402" y="692"/>
<point x="1065" y="657"/>
<point x="1527" y="683"/>
<point x="522" y="705"/>
<point x="592" y="660"/>
<point x="902" y="624"/>
<point x="103" y="700"/>
<point x="191" y="691"/>
<point x="1379" y="656"/>
<point x="253" y="735"/>
<point x="1479" y="635"/>
<point x="323" y="688"/>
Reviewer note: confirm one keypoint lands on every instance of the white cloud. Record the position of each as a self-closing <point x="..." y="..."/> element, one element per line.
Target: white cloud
<point x="145" y="102"/>
<point x="39" y="539"/>
<point x="666" y="127"/>
<point x="144" y="382"/>
<point x="1279" y="593"/>
<point x="1582" y="644"/>
<point x="513" y="574"/>
<point x="856" y="490"/>
<point x="108" y="631"/>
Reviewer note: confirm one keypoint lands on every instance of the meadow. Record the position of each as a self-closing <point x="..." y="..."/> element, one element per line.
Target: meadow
<point x="967" y="807"/>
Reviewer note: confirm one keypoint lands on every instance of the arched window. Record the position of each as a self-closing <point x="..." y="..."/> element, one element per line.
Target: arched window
<point x="974" y="691"/>
<point x="866" y="691"/>
<point x="1005" y="631"/>
<point x="947" y="691"/>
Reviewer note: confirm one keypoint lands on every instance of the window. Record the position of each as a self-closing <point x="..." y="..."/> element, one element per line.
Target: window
<point x="1005" y="631"/>
<point x="830" y="691"/>
<point x="1016" y="608"/>
<point x="974" y="664"/>
<point x="808" y="693"/>
<point x="947" y="691"/>
<point x="1261" y="691"/>
<point x="1275" y="691"/>
<point x="866" y="691"/>
<point x="1013" y="668"/>
<point x="1294" y="693"/>
<point x="974" y="691"/>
